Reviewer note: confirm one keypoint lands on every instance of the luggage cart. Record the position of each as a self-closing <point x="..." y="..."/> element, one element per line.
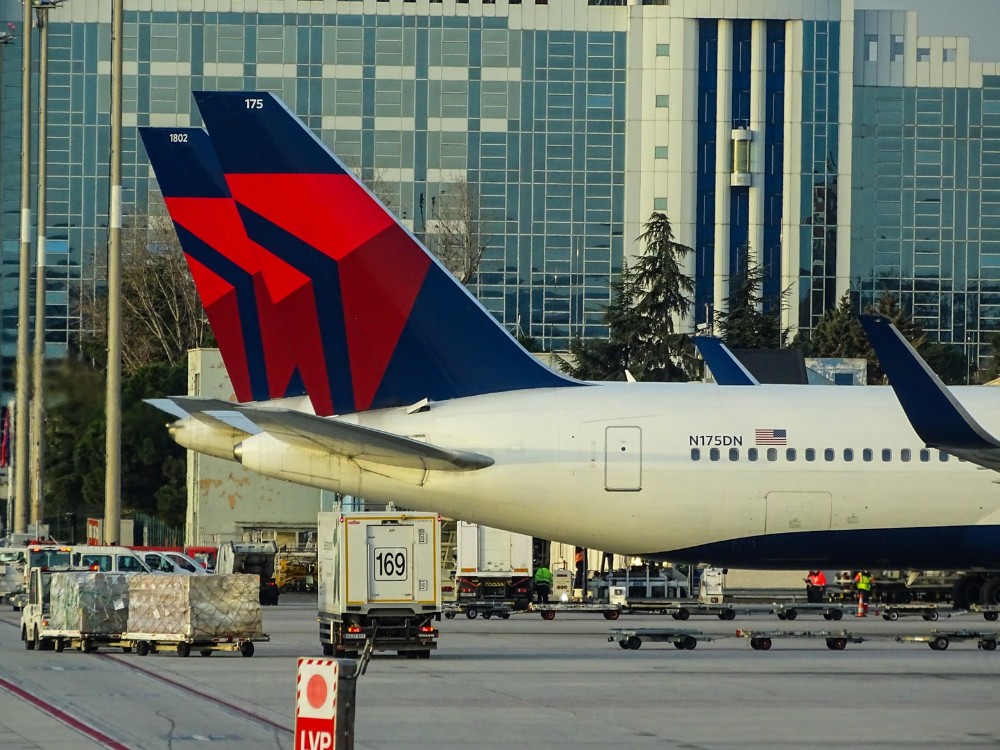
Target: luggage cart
<point x="548" y="611"/>
<point x="472" y="610"/>
<point x="893" y="612"/>
<point x="183" y="645"/>
<point x="990" y="612"/>
<point x="681" y="610"/>
<point x="762" y="640"/>
<point x="793" y="610"/>
<point x="939" y="640"/>
<point x="630" y="639"/>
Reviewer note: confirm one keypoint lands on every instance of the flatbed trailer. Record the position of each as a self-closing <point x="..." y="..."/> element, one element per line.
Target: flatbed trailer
<point x="790" y="611"/>
<point x="549" y="611"/>
<point x="472" y="610"/>
<point x="939" y="640"/>
<point x="683" y="610"/>
<point x="990" y="612"/>
<point x="762" y="640"/>
<point x="893" y="612"/>
<point x="631" y="639"/>
<point x="183" y="645"/>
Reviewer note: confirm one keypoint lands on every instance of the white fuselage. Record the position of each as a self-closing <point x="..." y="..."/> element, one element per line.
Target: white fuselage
<point x="611" y="466"/>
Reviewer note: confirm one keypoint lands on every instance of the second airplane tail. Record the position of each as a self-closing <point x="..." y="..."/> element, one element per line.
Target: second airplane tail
<point x="393" y="325"/>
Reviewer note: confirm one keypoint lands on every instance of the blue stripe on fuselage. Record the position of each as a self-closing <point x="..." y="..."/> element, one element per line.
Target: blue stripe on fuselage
<point x="930" y="548"/>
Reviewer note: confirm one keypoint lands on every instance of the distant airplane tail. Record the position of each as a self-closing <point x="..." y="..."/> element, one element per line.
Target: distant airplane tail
<point x="226" y="267"/>
<point x="389" y="324"/>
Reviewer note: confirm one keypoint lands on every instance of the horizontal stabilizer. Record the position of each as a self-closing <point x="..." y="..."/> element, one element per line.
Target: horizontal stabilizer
<point x="725" y="367"/>
<point x="361" y="443"/>
<point x="212" y="411"/>
<point x="933" y="411"/>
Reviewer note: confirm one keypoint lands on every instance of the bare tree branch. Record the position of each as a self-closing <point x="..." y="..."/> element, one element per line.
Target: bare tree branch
<point x="457" y="232"/>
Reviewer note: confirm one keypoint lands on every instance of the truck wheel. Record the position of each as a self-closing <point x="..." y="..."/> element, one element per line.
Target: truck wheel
<point x="836" y="614"/>
<point x="991" y="616"/>
<point x="633" y="643"/>
<point x="142" y="648"/>
<point x="549" y="614"/>
<point x="505" y="615"/>
<point x="487" y="615"/>
<point x="612" y="614"/>
<point x="246" y="649"/>
<point x="791" y="614"/>
<point x="87" y="646"/>
<point x="126" y="649"/>
<point x="891" y="616"/>
<point x="472" y="613"/>
<point x="29" y="644"/>
<point x="206" y="652"/>
<point x="681" y="614"/>
<point x="988" y="645"/>
<point x="730" y="614"/>
<point x="755" y="644"/>
<point x="60" y="645"/>
<point x="623" y="645"/>
<point x="781" y="615"/>
<point x="836" y="644"/>
<point x="939" y="644"/>
<point x="449" y="615"/>
<point x="327" y="649"/>
<point x="184" y="649"/>
<point x="689" y="643"/>
<point x="930" y="615"/>
<point x="37" y="645"/>
<point x="424" y="654"/>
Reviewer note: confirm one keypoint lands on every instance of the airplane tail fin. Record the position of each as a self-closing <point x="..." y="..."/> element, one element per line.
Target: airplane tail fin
<point x="393" y="326"/>
<point x="224" y="264"/>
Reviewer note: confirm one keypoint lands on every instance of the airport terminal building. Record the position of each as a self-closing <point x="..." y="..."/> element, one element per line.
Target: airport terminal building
<point x="841" y="144"/>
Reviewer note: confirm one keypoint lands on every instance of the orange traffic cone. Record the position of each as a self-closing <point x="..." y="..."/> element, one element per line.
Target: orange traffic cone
<point x="862" y="607"/>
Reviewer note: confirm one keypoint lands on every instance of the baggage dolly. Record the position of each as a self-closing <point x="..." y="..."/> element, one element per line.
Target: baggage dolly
<point x="761" y="640"/>
<point x="990" y="611"/>
<point x="939" y="640"/>
<point x="893" y="612"/>
<point x="793" y="610"/>
<point x="684" y="610"/>
<point x="631" y="639"/>
<point x="472" y="610"/>
<point x="548" y="611"/>
<point x="183" y="645"/>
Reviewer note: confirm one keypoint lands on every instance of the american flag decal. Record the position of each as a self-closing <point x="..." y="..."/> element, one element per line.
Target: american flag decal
<point x="771" y="437"/>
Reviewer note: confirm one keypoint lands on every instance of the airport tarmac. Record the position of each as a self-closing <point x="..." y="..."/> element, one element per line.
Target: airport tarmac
<point x="526" y="683"/>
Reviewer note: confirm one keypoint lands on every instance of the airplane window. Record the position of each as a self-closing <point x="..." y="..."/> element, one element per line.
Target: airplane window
<point x="714" y="454"/>
<point x="867" y="454"/>
<point x="942" y="457"/>
<point x="695" y="454"/>
<point x="886" y="454"/>
<point x="848" y="454"/>
<point x="904" y="455"/>
<point x="790" y="454"/>
<point x="752" y="454"/>
<point x="734" y="454"/>
<point x="828" y="454"/>
<point x="772" y="454"/>
<point x="925" y="455"/>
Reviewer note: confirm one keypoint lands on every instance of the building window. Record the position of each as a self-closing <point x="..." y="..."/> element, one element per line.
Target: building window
<point x="896" y="48"/>
<point x="659" y="204"/>
<point x="949" y="54"/>
<point x="871" y="47"/>
<point x="695" y="454"/>
<point x="663" y="100"/>
<point x="923" y="54"/>
<point x="663" y="50"/>
<point x="661" y="152"/>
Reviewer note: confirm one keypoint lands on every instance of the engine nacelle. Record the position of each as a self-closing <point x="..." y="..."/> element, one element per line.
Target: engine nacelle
<point x="213" y="440"/>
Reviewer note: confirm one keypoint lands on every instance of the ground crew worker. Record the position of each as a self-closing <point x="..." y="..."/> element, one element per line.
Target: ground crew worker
<point x="815" y="587"/>
<point x="863" y="582"/>
<point x="543" y="584"/>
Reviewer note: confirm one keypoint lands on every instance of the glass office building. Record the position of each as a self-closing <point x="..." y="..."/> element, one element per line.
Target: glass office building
<point x="838" y="148"/>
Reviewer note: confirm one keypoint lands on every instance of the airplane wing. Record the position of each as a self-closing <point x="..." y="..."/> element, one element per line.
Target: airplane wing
<point x="725" y="367"/>
<point x="211" y="411"/>
<point x="933" y="411"/>
<point x="359" y="442"/>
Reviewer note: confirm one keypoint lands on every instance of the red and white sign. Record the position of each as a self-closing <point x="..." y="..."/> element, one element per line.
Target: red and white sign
<point x="316" y="704"/>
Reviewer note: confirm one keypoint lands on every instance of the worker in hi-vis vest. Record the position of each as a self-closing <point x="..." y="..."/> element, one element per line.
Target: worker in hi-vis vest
<point x="543" y="584"/>
<point x="863" y="582"/>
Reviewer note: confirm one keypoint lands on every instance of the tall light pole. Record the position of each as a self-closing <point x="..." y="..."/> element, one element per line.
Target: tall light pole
<point x="23" y="386"/>
<point x="42" y="8"/>
<point x="6" y="37"/>
<point x="113" y="470"/>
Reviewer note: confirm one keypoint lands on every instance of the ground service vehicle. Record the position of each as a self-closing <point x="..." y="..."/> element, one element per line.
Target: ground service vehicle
<point x="12" y="560"/>
<point x="379" y="582"/>
<point x="493" y="565"/>
<point x="205" y="555"/>
<point x="109" y="559"/>
<point x="255" y="558"/>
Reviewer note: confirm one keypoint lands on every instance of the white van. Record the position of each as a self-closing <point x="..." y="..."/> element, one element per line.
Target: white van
<point x="108" y="559"/>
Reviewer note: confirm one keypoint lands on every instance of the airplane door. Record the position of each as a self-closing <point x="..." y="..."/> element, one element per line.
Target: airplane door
<point x="797" y="511"/>
<point x="623" y="459"/>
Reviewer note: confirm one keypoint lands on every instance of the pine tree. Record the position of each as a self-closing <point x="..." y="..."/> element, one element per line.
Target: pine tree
<point x="839" y="333"/>
<point x="888" y="307"/>
<point x="750" y="321"/>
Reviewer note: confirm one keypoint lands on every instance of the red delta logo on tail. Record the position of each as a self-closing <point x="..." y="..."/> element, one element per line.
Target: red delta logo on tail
<point x="392" y="325"/>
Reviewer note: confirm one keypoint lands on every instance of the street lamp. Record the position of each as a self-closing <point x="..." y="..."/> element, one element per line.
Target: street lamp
<point x="42" y="8"/>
